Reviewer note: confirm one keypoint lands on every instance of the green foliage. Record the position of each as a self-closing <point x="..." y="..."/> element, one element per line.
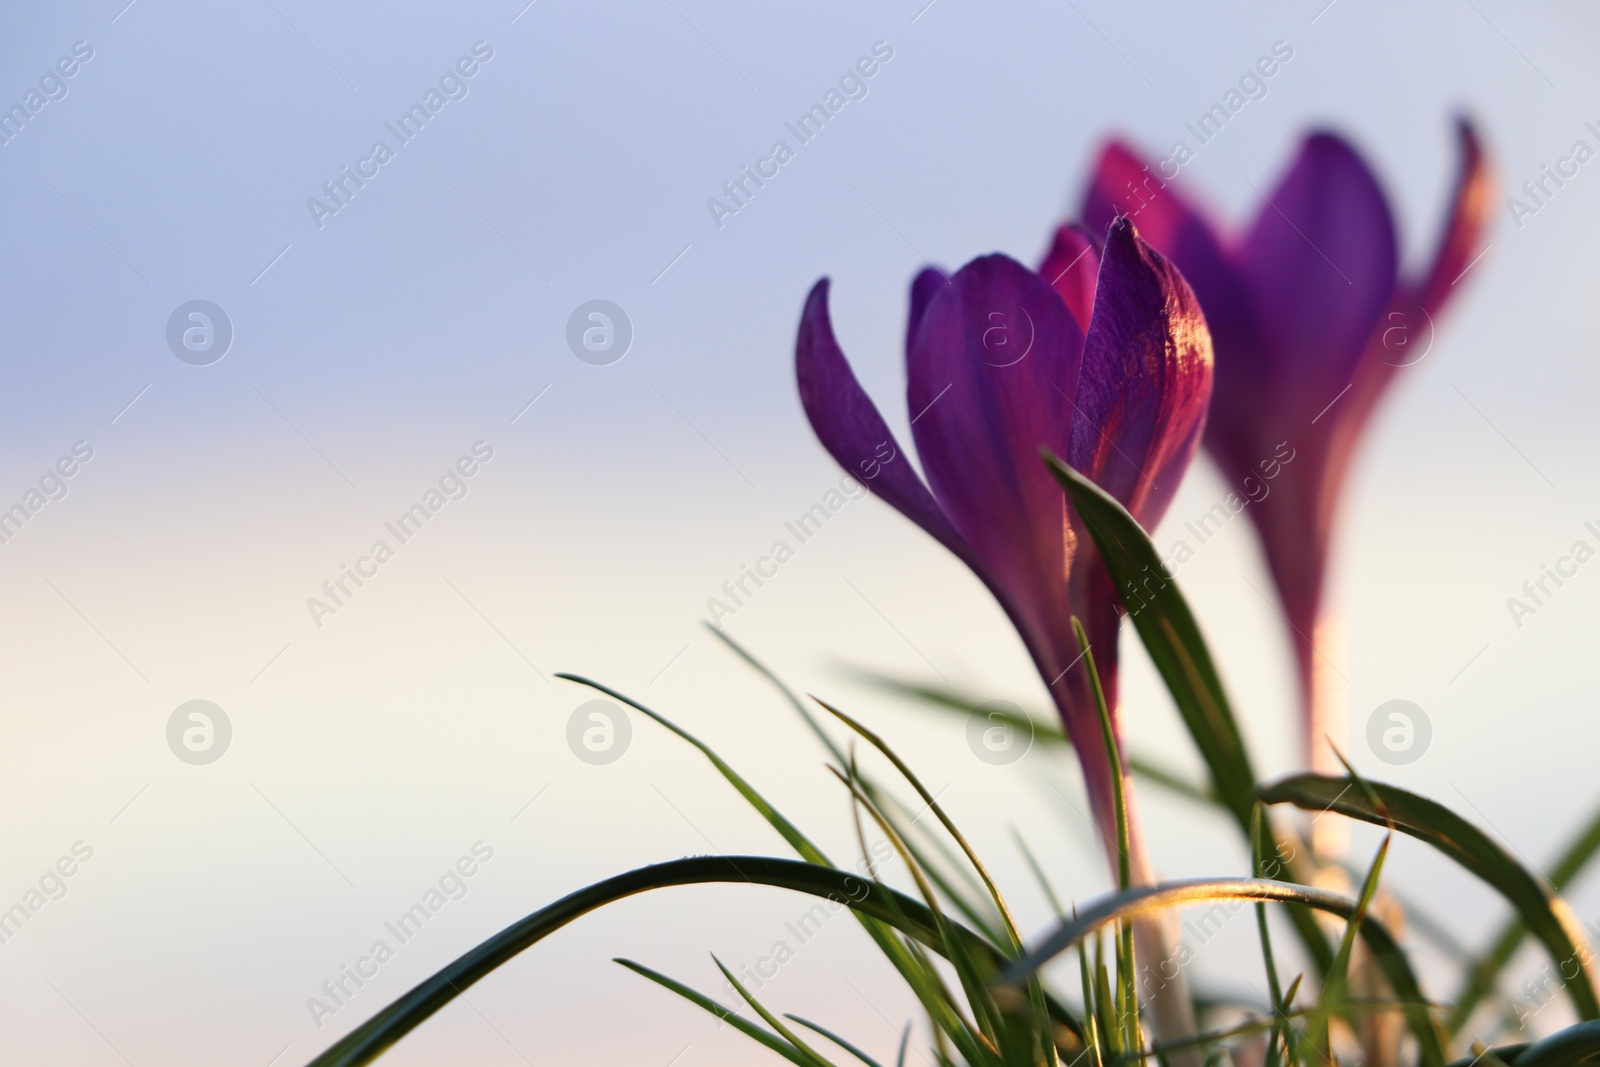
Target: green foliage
<point x="953" y="940"/>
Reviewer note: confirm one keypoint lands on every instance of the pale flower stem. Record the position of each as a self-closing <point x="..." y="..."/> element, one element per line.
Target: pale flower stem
<point x="1156" y="940"/>
<point x="1326" y="696"/>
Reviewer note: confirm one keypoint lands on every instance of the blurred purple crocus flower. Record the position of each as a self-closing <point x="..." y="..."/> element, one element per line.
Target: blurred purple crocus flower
<point x="1110" y="368"/>
<point x="1312" y="321"/>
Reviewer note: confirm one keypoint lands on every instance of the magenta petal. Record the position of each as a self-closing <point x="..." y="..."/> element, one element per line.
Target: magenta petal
<point x="1071" y="267"/>
<point x="991" y="373"/>
<point x="1124" y="185"/>
<point x="1146" y="378"/>
<point x="851" y="429"/>
<point x="1321" y="264"/>
<point x="924" y="287"/>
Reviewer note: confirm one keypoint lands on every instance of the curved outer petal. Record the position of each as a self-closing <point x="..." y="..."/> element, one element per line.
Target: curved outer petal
<point x="1464" y="224"/>
<point x="992" y="363"/>
<point x="1071" y="267"/>
<point x="851" y="429"/>
<point x="1169" y="224"/>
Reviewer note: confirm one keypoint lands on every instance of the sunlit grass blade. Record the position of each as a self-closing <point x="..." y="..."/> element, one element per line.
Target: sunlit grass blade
<point x="1141" y="900"/>
<point x="1318" y="1042"/>
<point x="1042" y="729"/>
<point x="962" y="900"/>
<point x="1170" y="634"/>
<point x="1127" y="993"/>
<point x="1013" y="936"/>
<point x="973" y="1040"/>
<point x="774" y="1042"/>
<point x="770" y="1019"/>
<point x="872" y="900"/>
<point x="1481" y="980"/>
<point x="1429" y="821"/>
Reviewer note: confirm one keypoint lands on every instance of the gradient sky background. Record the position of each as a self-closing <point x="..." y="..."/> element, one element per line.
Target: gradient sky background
<point x="368" y="754"/>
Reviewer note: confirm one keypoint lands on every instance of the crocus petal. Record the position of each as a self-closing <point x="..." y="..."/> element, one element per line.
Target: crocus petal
<point x="1071" y="267"/>
<point x="924" y="287"/>
<point x="1145" y="381"/>
<point x="1124" y="185"/>
<point x="991" y="368"/>
<point x="1321" y="264"/>
<point x="1464" y="224"/>
<point x="851" y="429"/>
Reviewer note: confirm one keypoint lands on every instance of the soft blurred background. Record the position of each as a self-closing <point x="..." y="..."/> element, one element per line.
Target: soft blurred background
<point x="370" y="352"/>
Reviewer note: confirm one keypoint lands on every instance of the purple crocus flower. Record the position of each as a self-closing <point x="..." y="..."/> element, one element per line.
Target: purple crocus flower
<point x="1110" y="368"/>
<point x="1312" y="321"/>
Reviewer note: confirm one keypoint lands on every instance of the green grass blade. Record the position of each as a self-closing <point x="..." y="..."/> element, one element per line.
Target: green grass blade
<point x="873" y="900"/>
<point x="1141" y="900"/>
<point x="1333" y="986"/>
<point x="1486" y="973"/>
<point x="1171" y="636"/>
<point x="816" y="1058"/>
<point x="1043" y="730"/>
<point x="836" y="1039"/>
<point x="1429" y="821"/>
<point x="790" y="833"/>
<point x="1576" y="1046"/>
<point x="733" y="1019"/>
